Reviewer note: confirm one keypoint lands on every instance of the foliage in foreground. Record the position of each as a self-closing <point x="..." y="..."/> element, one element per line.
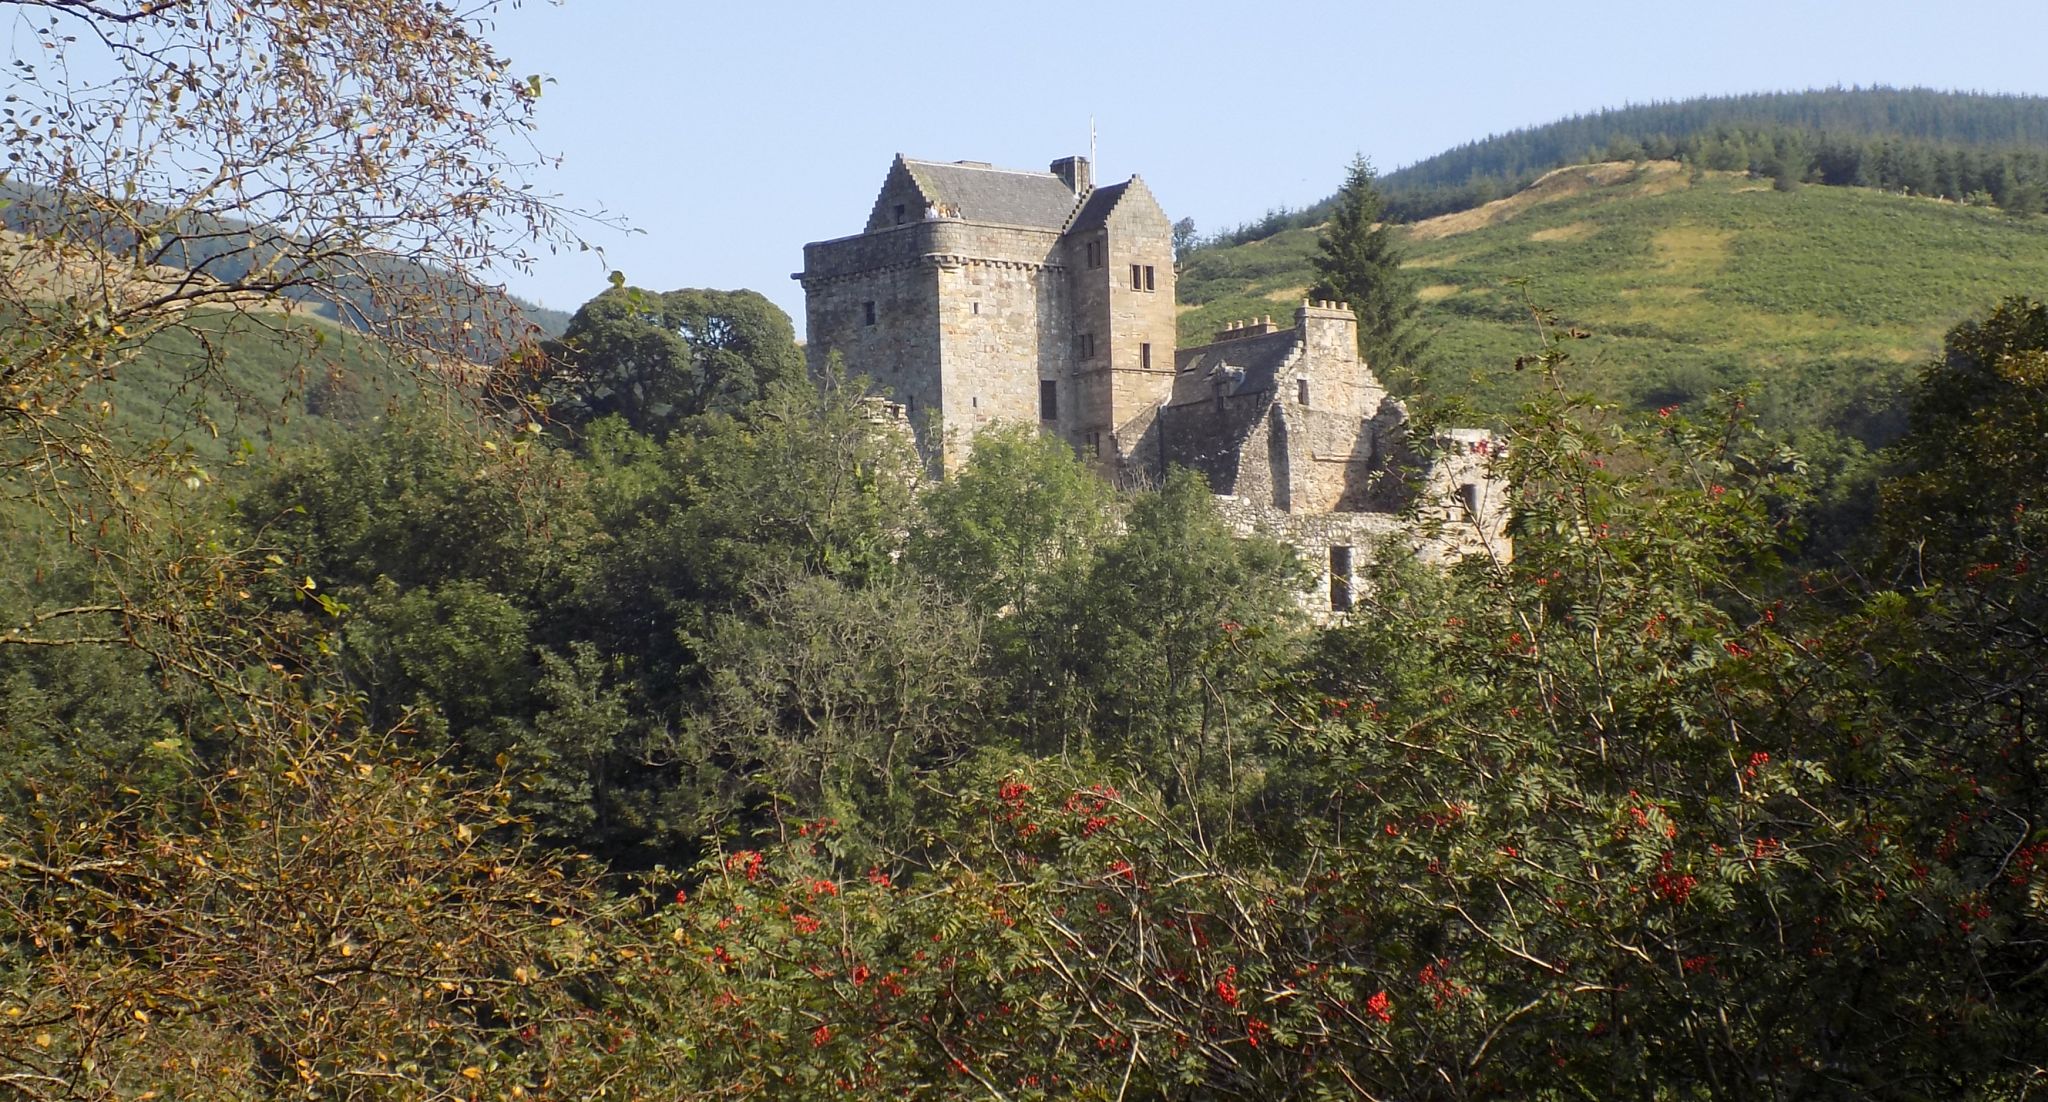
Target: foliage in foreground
<point x="1643" y="813"/>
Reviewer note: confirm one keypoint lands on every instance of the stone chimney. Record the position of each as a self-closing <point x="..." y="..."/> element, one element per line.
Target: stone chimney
<point x="1329" y="329"/>
<point x="1077" y="173"/>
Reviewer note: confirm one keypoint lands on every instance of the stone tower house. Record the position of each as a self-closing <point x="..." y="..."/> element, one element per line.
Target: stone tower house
<point x="979" y="295"/>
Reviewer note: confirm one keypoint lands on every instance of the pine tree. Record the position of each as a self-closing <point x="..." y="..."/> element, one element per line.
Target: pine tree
<point x="1360" y="265"/>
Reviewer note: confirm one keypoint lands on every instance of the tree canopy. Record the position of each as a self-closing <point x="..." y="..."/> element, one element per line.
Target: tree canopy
<point x="656" y="360"/>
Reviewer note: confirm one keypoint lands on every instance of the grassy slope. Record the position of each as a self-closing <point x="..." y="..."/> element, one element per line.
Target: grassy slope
<point x="1828" y="295"/>
<point x="280" y="381"/>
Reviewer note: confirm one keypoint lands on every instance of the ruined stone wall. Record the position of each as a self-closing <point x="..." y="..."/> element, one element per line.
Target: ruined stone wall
<point x="1312" y="536"/>
<point x="1212" y="433"/>
<point x="1465" y="504"/>
<point x="1339" y="382"/>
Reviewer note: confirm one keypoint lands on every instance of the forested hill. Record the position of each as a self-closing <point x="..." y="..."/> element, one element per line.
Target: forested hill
<point x="1955" y="145"/>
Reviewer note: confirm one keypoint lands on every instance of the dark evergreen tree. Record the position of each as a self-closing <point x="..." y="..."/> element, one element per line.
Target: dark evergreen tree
<point x="1360" y="265"/>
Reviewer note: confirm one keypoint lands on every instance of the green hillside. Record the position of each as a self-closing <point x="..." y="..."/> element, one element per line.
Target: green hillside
<point x="1688" y="282"/>
<point x="275" y="382"/>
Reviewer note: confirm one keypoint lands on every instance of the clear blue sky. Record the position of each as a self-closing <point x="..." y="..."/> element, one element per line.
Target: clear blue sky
<point x="730" y="134"/>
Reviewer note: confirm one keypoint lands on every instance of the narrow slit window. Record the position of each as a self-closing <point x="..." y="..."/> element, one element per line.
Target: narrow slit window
<point x="1149" y="284"/>
<point x="976" y="308"/>
<point x="869" y="307"/>
<point x="1468" y="495"/>
<point x="1145" y="356"/>
<point x="1048" y="400"/>
<point x="1340" y="579"/>
<point x="1301" y="390"/>
<point x="901" y="214"/>
<point x="1137" y="278"/>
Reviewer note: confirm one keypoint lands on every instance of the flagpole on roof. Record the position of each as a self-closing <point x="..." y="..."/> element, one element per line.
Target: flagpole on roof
<point x="1091" y="140"/>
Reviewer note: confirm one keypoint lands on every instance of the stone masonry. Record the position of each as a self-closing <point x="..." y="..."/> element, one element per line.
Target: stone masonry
<point x="978" y="295"/>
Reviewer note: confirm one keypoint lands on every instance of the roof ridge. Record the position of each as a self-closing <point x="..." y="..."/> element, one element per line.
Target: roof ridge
<point x="978" y="167"/>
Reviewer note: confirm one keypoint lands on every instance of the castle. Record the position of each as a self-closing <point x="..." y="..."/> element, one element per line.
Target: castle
<point x="978" y="295"/>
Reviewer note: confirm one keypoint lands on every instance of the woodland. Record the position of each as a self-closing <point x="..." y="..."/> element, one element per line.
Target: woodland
<point x="632" y="717"/>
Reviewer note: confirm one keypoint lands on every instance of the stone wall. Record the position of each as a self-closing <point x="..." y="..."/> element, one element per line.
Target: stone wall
<point x="899" y="350"/>
<point x="1211" y="433"/>
<point x="963" y="323"/>
<point x="1313" y="536"/>
<point x="898" y="191"/>
<point x="1467" y="503"/>
<point x="967" y="320"/>
<point x="1139" y="318"/>
<point x="1088" y="426"/>
<point x="1002" y="330"/>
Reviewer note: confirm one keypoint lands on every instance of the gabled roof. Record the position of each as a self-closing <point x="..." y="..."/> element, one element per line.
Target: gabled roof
<point x="1247" y="365"/>
<point x="981" y="193"/>
<point x="1095" y="211"/>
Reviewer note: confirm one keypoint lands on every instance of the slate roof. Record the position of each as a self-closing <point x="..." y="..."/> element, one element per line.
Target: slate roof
<point x="1255" y="361"/>
<point x="1095" y="211"/>
<point x="977" y="193"/>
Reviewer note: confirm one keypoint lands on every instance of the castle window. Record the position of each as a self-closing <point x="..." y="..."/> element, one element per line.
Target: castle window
<point x="1301" y="390"/>
<point x="1048" y="400"/>
<point x="1149" y="285"/>
<point x="1340" y="579"/>
<point x="1137" y="277"/>
<point x="976" y="308"/>
<point x="1145" y="357"/>
<point x="1468" y="495"/>
<point x="870" y="308"/>
<point x="900" y="214"/>
<point x="1084" y="346"/>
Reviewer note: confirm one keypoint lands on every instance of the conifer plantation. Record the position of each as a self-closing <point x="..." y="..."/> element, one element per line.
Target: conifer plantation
<point x="631" y="715"/>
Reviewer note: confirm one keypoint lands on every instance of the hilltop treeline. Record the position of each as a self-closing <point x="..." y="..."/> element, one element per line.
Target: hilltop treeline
<point x="1969" y="147"/>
